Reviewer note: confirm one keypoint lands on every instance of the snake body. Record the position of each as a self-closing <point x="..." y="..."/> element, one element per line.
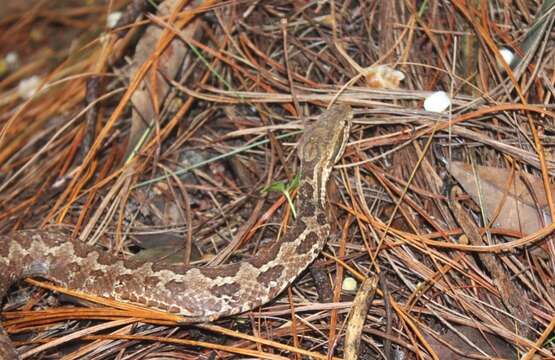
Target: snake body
<point x="198" y="294"/>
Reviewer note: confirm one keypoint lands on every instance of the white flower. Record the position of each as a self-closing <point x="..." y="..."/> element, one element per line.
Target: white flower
<point x="112" y="19"/>
<point x="437" y="102"/>
<point x="12" y="59"/>
<point x="507" y="55"/>
<point x="349" y="284"/>
<point x="28" y="87"/>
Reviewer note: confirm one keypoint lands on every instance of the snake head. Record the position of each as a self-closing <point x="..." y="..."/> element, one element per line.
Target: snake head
<point x="324" y="140"/>
<point x="322" y="145"/>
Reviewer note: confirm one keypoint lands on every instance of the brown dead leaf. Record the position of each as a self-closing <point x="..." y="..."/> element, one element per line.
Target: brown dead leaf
<point x="512" y="200"/>
<point x="383" y="77"/>
<point x="454" y="344"/>
<point x="151" y="93"/>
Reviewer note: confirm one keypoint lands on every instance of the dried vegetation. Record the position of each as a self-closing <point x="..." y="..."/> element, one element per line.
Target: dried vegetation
<point x="434" y="205"/>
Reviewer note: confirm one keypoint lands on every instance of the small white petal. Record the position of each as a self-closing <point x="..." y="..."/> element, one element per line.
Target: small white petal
<point x="349" y="284"/>
<point x="28" y="87"/>
<point x="437" y="102"/>
<point x="11" y="58"/>
<point x="113" y="18"/>
<point x="507" y="55"/>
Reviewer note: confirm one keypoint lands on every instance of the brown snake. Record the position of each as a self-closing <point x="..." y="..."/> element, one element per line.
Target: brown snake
<point x="198" y="294"/>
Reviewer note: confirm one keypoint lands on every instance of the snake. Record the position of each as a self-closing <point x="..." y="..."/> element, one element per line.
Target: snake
<point x="198" y="294"/>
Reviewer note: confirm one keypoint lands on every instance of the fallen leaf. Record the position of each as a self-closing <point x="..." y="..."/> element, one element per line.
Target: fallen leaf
<point x="150" y="95"/>
<point x="513" y="200"/>
<point x="450" y="345"/>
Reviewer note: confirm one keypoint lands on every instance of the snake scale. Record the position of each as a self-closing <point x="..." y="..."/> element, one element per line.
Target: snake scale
<point x="198" y="294"/>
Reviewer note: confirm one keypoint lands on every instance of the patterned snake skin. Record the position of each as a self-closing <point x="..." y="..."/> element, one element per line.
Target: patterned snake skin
<point x="199" y="294"/>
